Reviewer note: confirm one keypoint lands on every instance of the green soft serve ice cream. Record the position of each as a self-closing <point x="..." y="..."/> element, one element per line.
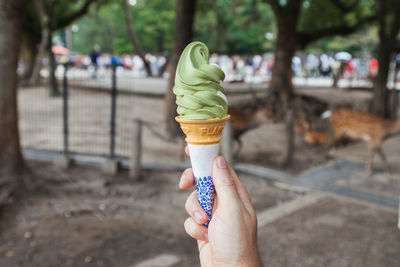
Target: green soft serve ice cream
<point x="199" y="95"/>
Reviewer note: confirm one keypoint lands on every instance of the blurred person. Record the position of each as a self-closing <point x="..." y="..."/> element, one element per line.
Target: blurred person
<point x="114" y="60"/>
<point x="214" y="59"/>
<point x="373" y="65"/>
<point x="138" y="64"/>
<point x="357" y="67"/>
<point x="396" y="75"/>
<point x="271" y="63"/>
<point x="312" y="63"/>
<point x="263" y="71"/>
<point x="127" y="61"/>
<point x="338" y="71"/>
<point x="350" y="68"/>
<point x="231" y="238"/>
<point x="86" y="61"/>
<point x="225" y="64"/>
<point x="153" y="64"/>
<point x="257" y="60"/>
<point x="161" y="61"/>
<point x="296" y="66"/>
<point x="94" y="56"/>
<point x="324" y="66"/>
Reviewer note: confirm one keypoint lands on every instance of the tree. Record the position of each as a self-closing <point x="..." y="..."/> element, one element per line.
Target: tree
<point x="11" y="161"/>
<point x="55" y="15"/>
<point x="134" y="40"/>
<point x="185" y="11"/>
<point x="299" y="23"/>
<point x="31" y="38"/>
<point x="106" y="26"/>
<point x="234" y="27"/>
<point x="389" y="25"/>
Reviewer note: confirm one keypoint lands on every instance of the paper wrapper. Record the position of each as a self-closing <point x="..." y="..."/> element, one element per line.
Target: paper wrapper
<point x="203" y="137"/>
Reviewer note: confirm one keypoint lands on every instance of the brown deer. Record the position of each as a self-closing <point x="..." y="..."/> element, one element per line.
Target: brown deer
<point x="311" y="137"/>
<point x="243" y="121"/>
<point x="362" y="126"/>
<point x="316" y="137"/>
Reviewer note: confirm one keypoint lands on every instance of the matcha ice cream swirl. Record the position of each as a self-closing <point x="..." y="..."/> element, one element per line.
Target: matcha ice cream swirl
<point x="199" y="95"/>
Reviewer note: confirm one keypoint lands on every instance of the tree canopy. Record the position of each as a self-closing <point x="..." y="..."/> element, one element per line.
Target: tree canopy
<point x="106" y="27"/>
<point x="227" y="26"/>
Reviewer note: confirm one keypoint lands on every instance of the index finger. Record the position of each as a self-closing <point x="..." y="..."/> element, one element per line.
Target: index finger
<point x="187" y="179"/>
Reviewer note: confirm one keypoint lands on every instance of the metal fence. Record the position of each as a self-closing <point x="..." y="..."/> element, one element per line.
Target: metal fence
<point x="92" y="117"/>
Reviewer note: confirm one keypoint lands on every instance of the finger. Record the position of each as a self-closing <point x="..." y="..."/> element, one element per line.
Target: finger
<point x="187" y="179"/>
<point x="187" y="150"/>
<point x="223" y="181"/>
<point x="195" y="230"/>
<point x="243" y="194"/>
<point x="195" y="210"/>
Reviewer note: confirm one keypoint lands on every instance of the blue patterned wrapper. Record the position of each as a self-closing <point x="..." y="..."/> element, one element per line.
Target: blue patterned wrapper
<point x="202" y="157"/>
<point x="205" y="194"/>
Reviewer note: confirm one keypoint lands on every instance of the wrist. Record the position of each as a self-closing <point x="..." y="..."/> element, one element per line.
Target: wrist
<point x="252" y="259"/>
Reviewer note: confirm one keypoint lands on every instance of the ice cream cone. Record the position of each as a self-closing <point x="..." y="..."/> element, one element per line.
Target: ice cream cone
<point x="203" y="132"/>
<point x="203" y="137"/>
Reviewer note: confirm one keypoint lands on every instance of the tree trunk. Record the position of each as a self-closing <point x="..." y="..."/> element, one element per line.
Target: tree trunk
<point x="53" y="85"/>
<point x="339" y="74"/>
<point x="387" y="40"/>
<point x="160" y="42"/>
<point x="11" y="161"/>
<point x="289" y="146"/>
<point x="285" y="48"/>
<point x="29" y="54"/>
<point x="281" y="80"/>
<point x="380" y="89"/>
<point x="182" y="36"/>
<point x="134" y="40"/>
<point x="35" y="78"/>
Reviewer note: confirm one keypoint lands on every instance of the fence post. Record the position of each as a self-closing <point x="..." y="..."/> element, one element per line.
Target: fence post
<point x="112" y="166"/>
<point x="66" y="161"/>
<point x="227" y="143"/>
<point x="113" y="110"/>
<point x="65" y="111"/>
<point x="136" y="156"/>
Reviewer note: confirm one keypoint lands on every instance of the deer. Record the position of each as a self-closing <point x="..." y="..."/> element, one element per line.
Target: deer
<point x="316" y="137"/>
<point x="243" y="121"/>
<point x="302" y="125"/>
<point x="364" y="126"/>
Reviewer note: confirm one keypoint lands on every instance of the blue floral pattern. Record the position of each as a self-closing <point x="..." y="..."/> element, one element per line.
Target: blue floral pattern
<point x="205" y="194"/>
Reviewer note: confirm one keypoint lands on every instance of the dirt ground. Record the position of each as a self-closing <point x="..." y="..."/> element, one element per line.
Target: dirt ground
<point x="332" y="233"/>
<point x="82" y="217"/>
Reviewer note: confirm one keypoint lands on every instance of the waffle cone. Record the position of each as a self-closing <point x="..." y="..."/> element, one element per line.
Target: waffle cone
<point x="202" y="132"/>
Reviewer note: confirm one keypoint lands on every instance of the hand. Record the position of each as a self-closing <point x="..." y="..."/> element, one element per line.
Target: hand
<point x="231" y="238"/>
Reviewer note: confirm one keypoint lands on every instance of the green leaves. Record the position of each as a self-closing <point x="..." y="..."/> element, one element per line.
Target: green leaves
<point x="153" y="21"/>
<point x="235" y="27"/>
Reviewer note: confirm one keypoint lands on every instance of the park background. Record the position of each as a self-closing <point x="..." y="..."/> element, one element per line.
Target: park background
<point x="90" y="153"/>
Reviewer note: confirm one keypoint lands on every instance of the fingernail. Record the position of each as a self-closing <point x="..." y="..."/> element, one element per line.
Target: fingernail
<point x="198" y="215"/>
<point x="221" y="163"/>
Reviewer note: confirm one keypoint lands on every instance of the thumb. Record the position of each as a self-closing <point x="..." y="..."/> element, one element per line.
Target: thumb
<point x="223" y="181"/>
